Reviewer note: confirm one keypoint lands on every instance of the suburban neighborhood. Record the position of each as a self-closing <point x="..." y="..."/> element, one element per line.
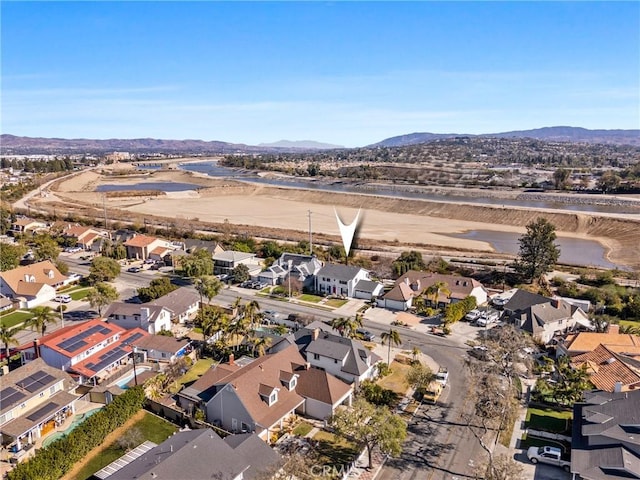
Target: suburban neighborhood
<point x="236" y="354"/>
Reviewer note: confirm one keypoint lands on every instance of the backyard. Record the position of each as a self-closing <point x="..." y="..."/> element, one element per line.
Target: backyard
<point x="150" y="427"/>
<point x="334" y="451"/>
<point x="196" y="371"/>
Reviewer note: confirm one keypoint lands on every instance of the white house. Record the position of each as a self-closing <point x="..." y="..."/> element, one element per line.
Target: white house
<point x="32" y="285"/>
<point x="340" y="280"/>
<point x="148" y="317"/>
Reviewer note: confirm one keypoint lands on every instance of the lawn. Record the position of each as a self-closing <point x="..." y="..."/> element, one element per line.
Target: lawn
<point x="333" y="450"/>
<point x="196" y="371"/>
<point x="629" y="323"/>
<point x="335" y="302"/>
<point x="549" y="420"/>
<point x="302" y="429"/>
<point x="15" y="318"/>
<point x="151" y="428"/>
<point x="396" y="380"/>
<point x="79" y="293"/>
<point x="305" y="297"/>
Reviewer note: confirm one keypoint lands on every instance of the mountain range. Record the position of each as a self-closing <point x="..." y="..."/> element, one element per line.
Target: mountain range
<point x="16" y="145"/>
<point x="553" y="134"/>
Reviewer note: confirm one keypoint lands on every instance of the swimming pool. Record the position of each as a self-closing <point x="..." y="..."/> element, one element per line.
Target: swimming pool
<point x="76" y="421"/>
<point x="122" y="382"/>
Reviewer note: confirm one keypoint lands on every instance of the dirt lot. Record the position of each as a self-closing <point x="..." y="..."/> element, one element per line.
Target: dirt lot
<point x="283" y="213"/>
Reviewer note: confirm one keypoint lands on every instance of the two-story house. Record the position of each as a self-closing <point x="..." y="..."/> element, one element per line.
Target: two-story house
<point x="302" y="268"/>
<point x="151" y="318"/>
<point x="32" y="285"/>
<point x="323" y="348"/>
<point x="90" y="351"/>
<point x="25" y="225"/>
<point x="85" y="237"/>
<point x="262" y="395"/>
<point x="141" y="247"/>
<point x="225" y="262"/>
<point x="340" y="280"/>
<point x="181" y="302"/>
<point x="542" y="317"/>
<point x="34" y="399"/>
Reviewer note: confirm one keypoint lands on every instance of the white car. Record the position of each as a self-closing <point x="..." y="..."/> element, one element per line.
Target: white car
<point x="63" y="298"/>
<point x="473" y="315"/>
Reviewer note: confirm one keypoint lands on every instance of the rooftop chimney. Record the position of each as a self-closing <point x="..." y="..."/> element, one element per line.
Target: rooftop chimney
<point x="231" y="359"/>
<point x="617" y="387"/>
<point x="315" y="334"/>
<point x="615" y="329"/>
<point x="36" y="348"/>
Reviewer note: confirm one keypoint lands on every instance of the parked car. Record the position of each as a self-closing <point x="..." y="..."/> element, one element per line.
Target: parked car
<point x="442" y="376"/>
<point x="149" y="261"/>
<point x="488" y="317"/>
<point x="548" y="455"/>
<point x="432" y="393"/>
<point x="473" y="315"/>
<point x="74" y="277"/>
<point x="63" y="298"/>
<point x="366" y="335"/>
<point x="73" y="249"/>
<point x="134" y="269"/>
<point x="480" y="352"/>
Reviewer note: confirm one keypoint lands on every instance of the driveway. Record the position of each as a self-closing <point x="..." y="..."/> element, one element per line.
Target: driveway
<point x="539" y="471"/>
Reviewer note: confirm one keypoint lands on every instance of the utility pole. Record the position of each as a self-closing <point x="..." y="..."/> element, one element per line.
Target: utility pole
<point x="104" y="208"/>
<point x="310" y="243"/>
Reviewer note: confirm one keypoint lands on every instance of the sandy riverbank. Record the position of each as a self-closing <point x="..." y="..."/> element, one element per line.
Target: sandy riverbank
<point x="405" y="221"/>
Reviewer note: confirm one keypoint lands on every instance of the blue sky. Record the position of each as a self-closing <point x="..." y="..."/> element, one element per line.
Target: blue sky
<point x="348" y="73"/>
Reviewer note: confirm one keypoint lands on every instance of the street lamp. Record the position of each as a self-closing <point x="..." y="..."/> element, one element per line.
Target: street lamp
<point x="290" y="263"/>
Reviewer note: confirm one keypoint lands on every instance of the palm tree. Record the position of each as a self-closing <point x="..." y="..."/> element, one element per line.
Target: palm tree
<point x="252" y="313"/>
<point x="340" y="324"/>
<point x="8" y="337"/>
<point x="207" y="286"/>
<point x="392" y="337"/>
<point x="348" y="327"/>
<point x="280" y="330"/>
<point x="41" y="316"/>
<point x="630" y="329"/>
<point x="260" y="344"/>
<point x="434" y="291"/>
<point x="415" y="353"/>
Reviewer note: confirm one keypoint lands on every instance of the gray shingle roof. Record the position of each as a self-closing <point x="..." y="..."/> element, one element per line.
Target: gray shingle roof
<point x="177" y="301"/>
<point x="190" y="455"/>
<point x="339" y="272"/>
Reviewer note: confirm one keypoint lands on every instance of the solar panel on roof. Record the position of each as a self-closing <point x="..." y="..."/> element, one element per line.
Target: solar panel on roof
<point x="32" y="386"/>
<point x="134" y="337"/>
<point x="107" y="359"/>
<point x="9" y="396"/>
<point x="43" y="411"/>
<point x="105" y="330"/>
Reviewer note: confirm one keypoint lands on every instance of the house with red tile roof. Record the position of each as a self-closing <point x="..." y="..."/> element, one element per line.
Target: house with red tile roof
<point x="261" y="396"/>
<point x="608" y="370"/>
<point x="140" y="247"/>
<point x="583" y="342"/>
<point x="90" y="351"/>
<point x="32" y="285"/>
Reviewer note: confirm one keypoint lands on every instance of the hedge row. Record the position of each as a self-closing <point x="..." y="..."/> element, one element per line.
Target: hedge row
<point x="53" y="461"/>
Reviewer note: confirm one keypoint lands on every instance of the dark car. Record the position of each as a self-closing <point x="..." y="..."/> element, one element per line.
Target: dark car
<point x="366" y="335"/>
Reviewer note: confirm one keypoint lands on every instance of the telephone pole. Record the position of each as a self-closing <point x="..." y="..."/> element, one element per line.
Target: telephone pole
<point x="104" y="208"/>
<point x="310" y="243"/>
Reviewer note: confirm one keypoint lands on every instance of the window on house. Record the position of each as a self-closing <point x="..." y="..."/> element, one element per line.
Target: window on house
<point x="343" y="282"/>
<point x="316" y="356"/>
<point x="164" y="355"/>
<point x="245" y="427"/>
<point x="23" y="405"/>
<point x="41" y="394"/>
<point x="335" y="360"/>
<point x="52" y="390"/>
<point x="293" y="383"/>
<point x="273" y="398"/>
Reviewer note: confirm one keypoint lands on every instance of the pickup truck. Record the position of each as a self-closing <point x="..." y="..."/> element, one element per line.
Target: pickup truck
<point x="432" y="392"/>
<point x="442" y="377"/>
<point x="549" y="455"/>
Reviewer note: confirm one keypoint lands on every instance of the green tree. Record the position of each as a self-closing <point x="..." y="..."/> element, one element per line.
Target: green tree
<point x="434" y="291"/>
<point x="41" y="317"/>
<point x="560" y="178"/>
<point x="609" y="181"/>
<point x="101" y="295"/>
<point x="158" y="287"/>
<point x="197" y="264"/>
<point x="207" y="286"/>
<point x="371" y="427"/>
<point x="45" y="248"/>
<point x="408" y="261"/>
<point x="8" y="337"/>
<point x="63" y="267"/>
<point x="390" y="337"/>
<point x="347" y="326"/>
<point x="420" y="377"/>
<point x="538" y="252"/>
<point x="103" y="269"/>
<point x="10" y="256"/>
<point x="240" y="273"/>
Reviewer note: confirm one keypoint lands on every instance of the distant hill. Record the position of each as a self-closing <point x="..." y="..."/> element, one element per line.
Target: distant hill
<point x="301" y="144"/>
<point x="558" y="134"/>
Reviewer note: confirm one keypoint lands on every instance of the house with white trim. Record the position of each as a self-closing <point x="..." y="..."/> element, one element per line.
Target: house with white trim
<point x="32" y="285"/>
<point x="340" y="280"/>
